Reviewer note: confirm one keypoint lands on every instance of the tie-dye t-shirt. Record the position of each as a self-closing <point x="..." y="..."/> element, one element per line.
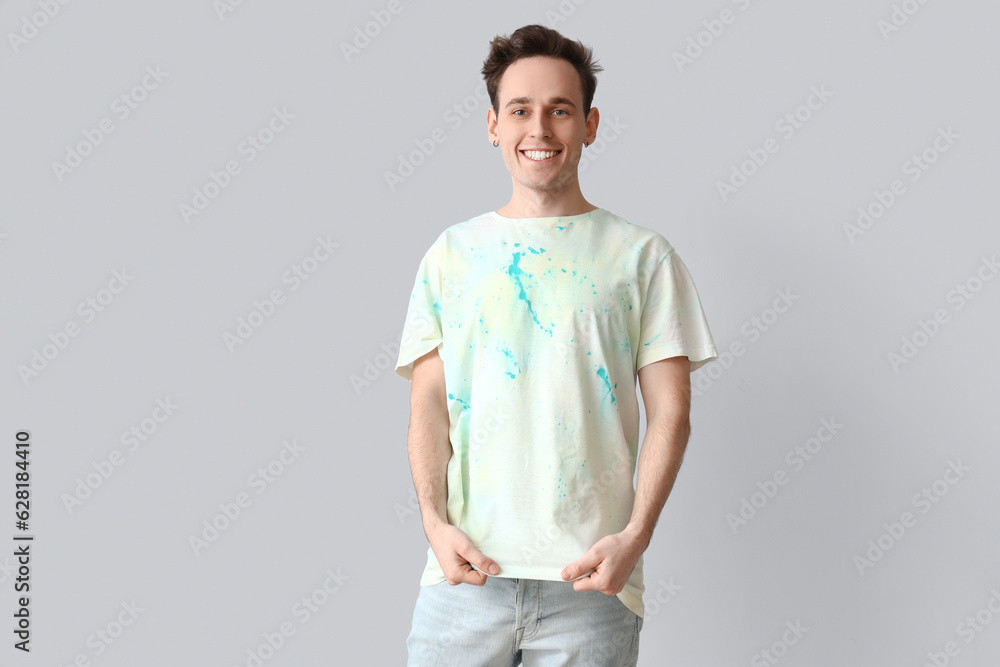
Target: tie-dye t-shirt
<point x="542" y="325"/>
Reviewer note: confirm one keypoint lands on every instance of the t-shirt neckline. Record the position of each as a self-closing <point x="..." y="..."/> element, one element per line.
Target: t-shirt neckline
<point x="553" y="218"/>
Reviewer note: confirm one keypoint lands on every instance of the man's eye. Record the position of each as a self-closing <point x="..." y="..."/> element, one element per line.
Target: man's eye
<point x="562" y="112"/>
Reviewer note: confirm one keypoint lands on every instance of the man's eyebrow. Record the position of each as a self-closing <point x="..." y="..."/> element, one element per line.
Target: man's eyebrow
<point x="564" y="101"/>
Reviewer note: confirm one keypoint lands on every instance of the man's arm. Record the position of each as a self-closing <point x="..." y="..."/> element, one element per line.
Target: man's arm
<point x="429" y="447"/>
<point x="666" y="393"/>
<point x="427" y="441"/>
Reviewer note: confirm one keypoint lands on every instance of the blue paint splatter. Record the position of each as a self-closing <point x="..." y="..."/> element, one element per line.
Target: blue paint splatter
<point x="516" y="274"/>
<point x="510" y="355"/>
<point x="465" y="406"/>
<point x="652" y="339"/>
<point x="603" y="374"/>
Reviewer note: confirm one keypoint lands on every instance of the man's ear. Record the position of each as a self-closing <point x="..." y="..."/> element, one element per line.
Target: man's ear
<point x="593" y="120"/>
<point x="491" y="124"/>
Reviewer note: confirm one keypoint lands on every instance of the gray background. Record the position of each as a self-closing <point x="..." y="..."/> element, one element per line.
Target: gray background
<point x="344" y="505"/>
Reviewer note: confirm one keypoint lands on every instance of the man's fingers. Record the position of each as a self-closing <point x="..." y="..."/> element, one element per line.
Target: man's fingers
<point x="486" y="565"/>
<point x="481" y="562"/>
<point x="466" y="575"/>
<point x="475" y="578"/>
<point x="461" y="560"/>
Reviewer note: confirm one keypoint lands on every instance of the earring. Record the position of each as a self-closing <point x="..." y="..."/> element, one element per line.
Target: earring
<point x="496" y="143"/>
<point x="585" y="144"/>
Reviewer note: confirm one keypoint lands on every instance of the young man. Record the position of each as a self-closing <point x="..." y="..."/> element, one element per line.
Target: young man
<point x="525" y="332"/>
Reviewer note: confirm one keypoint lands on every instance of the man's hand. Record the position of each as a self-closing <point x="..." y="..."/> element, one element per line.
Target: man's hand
<point x="613" y="557"/>
<point x="455" y="551"/>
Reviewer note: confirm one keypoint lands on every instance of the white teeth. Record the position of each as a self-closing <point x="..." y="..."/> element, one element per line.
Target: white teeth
<point x="540" y="155"/>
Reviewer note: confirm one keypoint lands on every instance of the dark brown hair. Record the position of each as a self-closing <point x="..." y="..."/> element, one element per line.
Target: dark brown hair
<point x="538" y="40"/>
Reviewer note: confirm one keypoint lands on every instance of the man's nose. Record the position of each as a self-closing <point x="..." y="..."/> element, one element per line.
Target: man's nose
<point x="540" y="125"/>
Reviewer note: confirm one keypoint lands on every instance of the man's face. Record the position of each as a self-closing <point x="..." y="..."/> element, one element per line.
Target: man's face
<point x="541" y="108"/>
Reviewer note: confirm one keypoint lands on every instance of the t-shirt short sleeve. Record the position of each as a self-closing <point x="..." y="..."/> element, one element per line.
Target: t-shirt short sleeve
<point x="422" y="327"/>
<point x="673" y="322"/>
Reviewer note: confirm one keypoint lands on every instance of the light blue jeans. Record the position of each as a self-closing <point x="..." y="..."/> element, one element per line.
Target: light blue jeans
<point x="507" y="621"/>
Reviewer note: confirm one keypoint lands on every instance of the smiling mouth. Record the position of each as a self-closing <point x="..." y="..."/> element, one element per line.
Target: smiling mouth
<point x="540" y="156"/>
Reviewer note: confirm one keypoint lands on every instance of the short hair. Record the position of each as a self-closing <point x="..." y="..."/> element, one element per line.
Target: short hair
<point x="539" y="40"/>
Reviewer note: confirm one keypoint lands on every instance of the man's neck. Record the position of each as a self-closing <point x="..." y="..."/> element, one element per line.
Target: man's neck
<point x="520" y="208"/>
